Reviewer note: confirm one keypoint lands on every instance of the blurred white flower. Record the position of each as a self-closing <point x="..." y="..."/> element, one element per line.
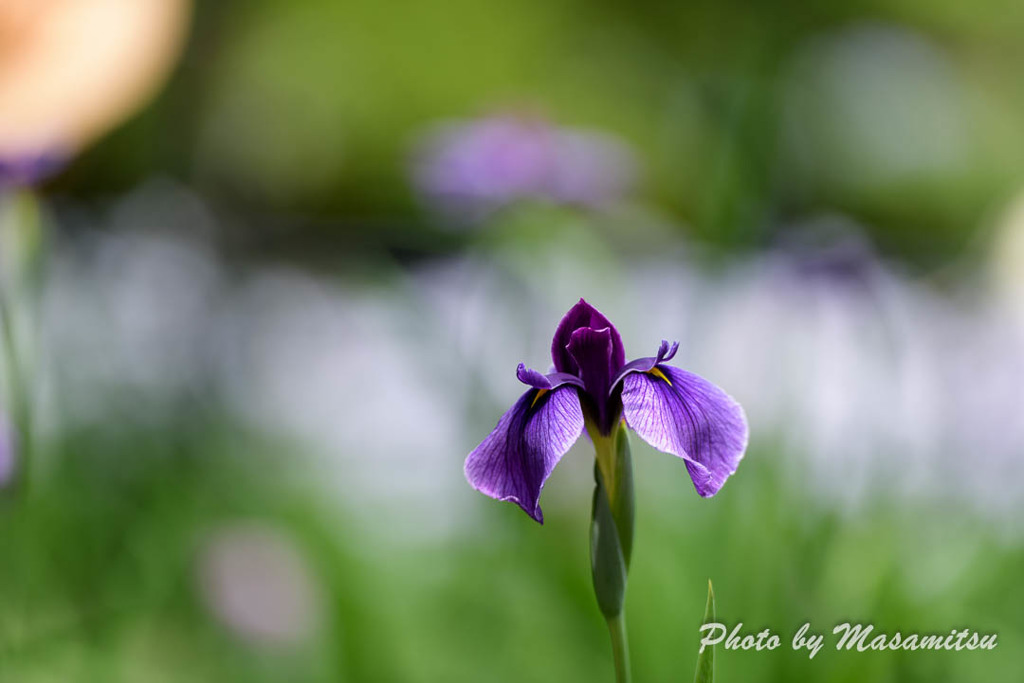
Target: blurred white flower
<point x="358" y="380"/>
<point x="128" y="312"/>
<point x="871" y="381"/>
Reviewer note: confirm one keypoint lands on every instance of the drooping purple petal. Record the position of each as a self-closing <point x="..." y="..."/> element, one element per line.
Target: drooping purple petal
<point x="517" y="457"/>
<point x="683" y="414"/>
<point x="583" y="315"/>
<point x="537" y="380"/>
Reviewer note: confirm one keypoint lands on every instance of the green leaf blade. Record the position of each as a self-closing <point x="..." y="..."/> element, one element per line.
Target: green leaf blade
<point x="706" y="659"/>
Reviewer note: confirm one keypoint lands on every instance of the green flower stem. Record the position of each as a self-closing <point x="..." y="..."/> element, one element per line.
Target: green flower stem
<point x="21" y="243"/>
<point x="20" y="410"/>
<point x="620" y="647"/>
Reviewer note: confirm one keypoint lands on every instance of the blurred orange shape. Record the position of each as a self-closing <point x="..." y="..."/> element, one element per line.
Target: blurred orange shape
<point x="70" y="70"/>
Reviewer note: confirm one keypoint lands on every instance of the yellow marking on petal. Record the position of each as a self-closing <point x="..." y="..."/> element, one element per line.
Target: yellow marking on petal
<point x="656" y="371"/>
<point x="540" y="392"/>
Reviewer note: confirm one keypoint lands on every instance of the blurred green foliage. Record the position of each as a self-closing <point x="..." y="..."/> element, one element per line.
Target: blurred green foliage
<point x="98" y="580"/>
<point x="312" y="107"/>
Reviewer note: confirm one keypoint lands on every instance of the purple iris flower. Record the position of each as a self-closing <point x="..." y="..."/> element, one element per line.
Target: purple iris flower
<point x="593" y="387"/>
<point x="472" y="168"/>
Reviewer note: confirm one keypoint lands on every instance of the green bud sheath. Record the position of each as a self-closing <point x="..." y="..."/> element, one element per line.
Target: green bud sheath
<point x="611" y="536"/>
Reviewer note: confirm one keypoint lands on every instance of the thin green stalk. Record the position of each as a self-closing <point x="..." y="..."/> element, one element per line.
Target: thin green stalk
<point x="620" y="647"/>
<point x="21" y="243"/>
<point x="20" y="410"/>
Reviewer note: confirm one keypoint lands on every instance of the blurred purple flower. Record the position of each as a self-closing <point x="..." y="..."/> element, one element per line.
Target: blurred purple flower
<point x="471" y="168"/>
<point x="592" y="385"/>
<point x="7" y="451"/>
<point x="830" y="249"/>
<point x="23" y="171"/>
<point x="257" y="583"/>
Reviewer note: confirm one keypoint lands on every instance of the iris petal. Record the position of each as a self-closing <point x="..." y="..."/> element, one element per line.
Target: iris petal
<point x="665" y="352"/>
<point x="592" y="350"/>
<point x="517" y="457"/>
<point x="583" y="315"/>
<point x="538" y="380"/>
<point x="683" y="414"/>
